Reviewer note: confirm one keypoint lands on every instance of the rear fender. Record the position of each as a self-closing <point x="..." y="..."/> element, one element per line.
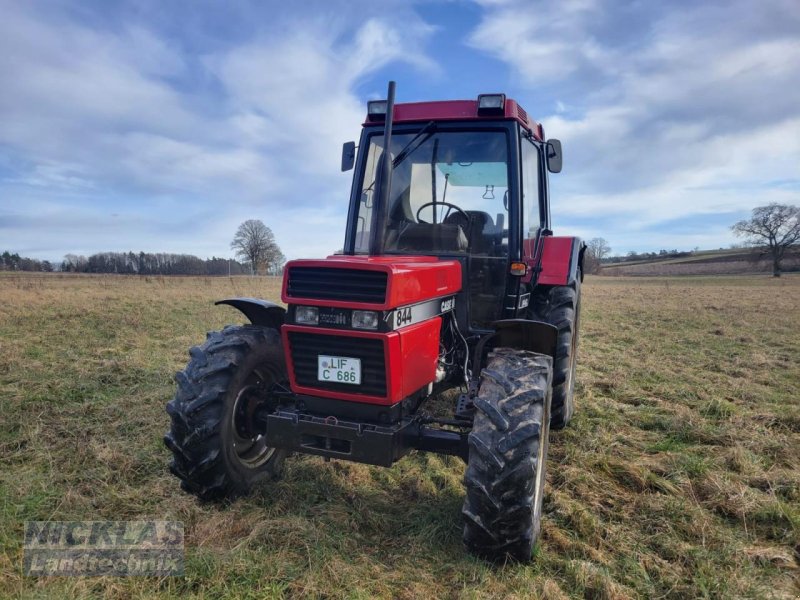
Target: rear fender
<point x="522" y="334"/>
<point x="562" y="260"/>
<point x="260" y="312"/>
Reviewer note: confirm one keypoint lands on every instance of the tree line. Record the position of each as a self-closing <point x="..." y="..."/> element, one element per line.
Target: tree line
<point x="131" y="263"/>
<point x="254" y="244"/>
<point x="15" y="262"/>
<point x="146" y="263"/>
<point x="631" y="256"/>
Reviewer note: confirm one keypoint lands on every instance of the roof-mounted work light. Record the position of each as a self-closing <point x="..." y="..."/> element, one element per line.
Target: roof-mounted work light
<point x="376" y="110"/>
<point x="491" y="104"/>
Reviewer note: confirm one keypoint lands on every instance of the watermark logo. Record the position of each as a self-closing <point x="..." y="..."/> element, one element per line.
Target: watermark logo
<point x="95" y="548"/>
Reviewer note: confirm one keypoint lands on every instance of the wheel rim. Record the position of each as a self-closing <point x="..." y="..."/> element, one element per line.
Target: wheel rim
<point x="573" y="349"/>
<point x="540" y="463"/>
<point x="250" y="448"/>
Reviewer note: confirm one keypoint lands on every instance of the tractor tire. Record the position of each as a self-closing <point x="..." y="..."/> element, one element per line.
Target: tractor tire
<point x="561" y="306"/>
<point x="216" y="453"/>
<point x="507" y="452"/>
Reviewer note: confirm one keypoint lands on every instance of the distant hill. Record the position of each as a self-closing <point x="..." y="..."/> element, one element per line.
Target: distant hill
<point x="703" y="262"/>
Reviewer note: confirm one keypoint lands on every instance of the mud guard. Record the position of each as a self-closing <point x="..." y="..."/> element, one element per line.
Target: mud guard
<point x="260" y="312"/>
<point x="562" y="260"/>
<point x="523" y="334"/>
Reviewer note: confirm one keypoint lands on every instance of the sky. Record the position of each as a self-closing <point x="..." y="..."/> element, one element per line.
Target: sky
<point x="160" y="126"/>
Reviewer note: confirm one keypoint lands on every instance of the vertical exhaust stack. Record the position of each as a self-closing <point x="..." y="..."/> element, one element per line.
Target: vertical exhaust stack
<point x="383" y="181"/>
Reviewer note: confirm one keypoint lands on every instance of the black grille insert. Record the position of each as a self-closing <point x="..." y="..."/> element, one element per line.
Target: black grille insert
<point x="328" y="283"/>
<point x="306" y="347"/>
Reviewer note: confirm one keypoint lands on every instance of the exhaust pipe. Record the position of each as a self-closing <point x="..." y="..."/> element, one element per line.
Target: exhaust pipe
<point x="383" y="182"/>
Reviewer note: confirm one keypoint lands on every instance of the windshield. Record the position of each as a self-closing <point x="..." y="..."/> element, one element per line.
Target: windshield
<point x="449" y="195"/>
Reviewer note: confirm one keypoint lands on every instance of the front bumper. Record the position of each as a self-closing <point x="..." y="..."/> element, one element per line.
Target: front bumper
<point x="358" y="441"/>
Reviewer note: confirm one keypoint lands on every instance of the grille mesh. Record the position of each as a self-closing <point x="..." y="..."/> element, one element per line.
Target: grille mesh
<point x="327" y="283"/>
<point x="306" y="347"/>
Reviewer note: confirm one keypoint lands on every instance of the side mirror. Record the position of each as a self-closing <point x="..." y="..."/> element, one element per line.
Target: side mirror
<point x="554" y="156"/>
<point x="348" y="156"/>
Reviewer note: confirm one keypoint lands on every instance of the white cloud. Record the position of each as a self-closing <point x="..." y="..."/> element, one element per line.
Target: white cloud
<point x="248" y="129"/>
<point x="543" y="42"/>
<point x="301" y="87"/>
<point x="681" y="112"/>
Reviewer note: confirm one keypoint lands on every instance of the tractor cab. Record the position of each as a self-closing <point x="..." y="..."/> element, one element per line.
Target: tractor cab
<point x="468" y="183"/>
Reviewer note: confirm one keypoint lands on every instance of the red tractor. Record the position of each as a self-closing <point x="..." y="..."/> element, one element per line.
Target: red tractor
<point x="450" y="279"/>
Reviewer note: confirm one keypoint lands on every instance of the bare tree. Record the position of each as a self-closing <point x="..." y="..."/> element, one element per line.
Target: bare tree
<point x="596" y="250"/>
<point x="276" y="264"/>
<point x="774" y="227"/>
<point x="74" y="263"/>
<point x="255" y="243"/>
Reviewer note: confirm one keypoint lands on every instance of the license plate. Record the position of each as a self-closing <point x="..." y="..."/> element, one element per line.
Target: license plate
<point x="339" y="369"/>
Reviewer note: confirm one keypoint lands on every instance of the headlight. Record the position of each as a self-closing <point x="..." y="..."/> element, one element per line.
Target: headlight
<point x="307" y="315"/>
<point x="376" y="109"/>
<point x="365" y="319"/>
<point x="491" y="103"/>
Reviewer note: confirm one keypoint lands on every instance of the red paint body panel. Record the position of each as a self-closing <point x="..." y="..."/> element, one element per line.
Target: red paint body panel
<point x="555" y="261"/>
<point x="411" y="355"/>
<point x="411" y="279"/>
<point x="556" y="257"/>
<point x="419" y="345"/>
<point x="460" y="110"/>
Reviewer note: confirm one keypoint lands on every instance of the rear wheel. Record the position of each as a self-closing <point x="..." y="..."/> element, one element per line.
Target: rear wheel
<point x="561" y="306"/>
<point x="217" y="450"/>
<point x="507" y="453"/>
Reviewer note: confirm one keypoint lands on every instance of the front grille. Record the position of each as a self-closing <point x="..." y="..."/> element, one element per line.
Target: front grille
<point x="306" y="347"/>
<point x="328" y="283"/>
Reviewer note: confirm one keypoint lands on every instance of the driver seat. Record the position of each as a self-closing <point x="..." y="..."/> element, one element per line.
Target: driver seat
<point x="437" y="238"/>
<point x="479" y="222"/>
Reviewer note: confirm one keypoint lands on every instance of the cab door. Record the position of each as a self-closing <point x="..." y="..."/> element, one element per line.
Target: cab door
<point x="535" y="217"/>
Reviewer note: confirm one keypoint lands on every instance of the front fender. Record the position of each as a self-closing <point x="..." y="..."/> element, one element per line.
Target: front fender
<point x="260" y="312"/>
<point x="522" y="334"/>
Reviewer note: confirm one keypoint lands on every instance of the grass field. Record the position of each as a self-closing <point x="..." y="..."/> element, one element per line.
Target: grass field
<point x="678" y="478"/>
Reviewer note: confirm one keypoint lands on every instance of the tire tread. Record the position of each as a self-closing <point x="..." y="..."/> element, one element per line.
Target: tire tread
<point x="499" y="509"/>
<point x="198" y="408"/>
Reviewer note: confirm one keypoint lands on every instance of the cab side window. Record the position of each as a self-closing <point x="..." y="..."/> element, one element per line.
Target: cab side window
<point x="530" y="189"/>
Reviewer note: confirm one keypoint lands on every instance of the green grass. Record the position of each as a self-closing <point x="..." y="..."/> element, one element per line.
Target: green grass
<point x="678" y="477"/>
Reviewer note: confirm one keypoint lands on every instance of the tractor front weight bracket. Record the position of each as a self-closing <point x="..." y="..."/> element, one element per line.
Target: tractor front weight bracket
<point x="367" y="443"/>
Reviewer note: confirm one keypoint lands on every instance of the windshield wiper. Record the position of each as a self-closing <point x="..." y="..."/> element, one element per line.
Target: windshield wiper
<point x="407" y="150"/>
<point x="423" y="135"/>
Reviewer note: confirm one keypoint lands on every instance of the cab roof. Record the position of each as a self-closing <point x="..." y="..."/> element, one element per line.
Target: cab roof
<point x="459" y="110"/>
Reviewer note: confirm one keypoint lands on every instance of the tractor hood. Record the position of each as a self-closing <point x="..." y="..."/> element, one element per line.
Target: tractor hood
<point x="376" y="282"/>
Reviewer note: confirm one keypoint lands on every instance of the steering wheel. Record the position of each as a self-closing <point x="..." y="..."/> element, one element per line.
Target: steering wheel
<point x="449" y="206"/>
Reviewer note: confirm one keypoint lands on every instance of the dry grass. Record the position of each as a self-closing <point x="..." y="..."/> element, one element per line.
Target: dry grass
<point x="679" y="476"/>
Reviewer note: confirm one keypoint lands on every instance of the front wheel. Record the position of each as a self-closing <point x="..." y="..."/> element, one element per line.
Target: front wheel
<point x="507" y="453"/>
<point x="217" y="450"/>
